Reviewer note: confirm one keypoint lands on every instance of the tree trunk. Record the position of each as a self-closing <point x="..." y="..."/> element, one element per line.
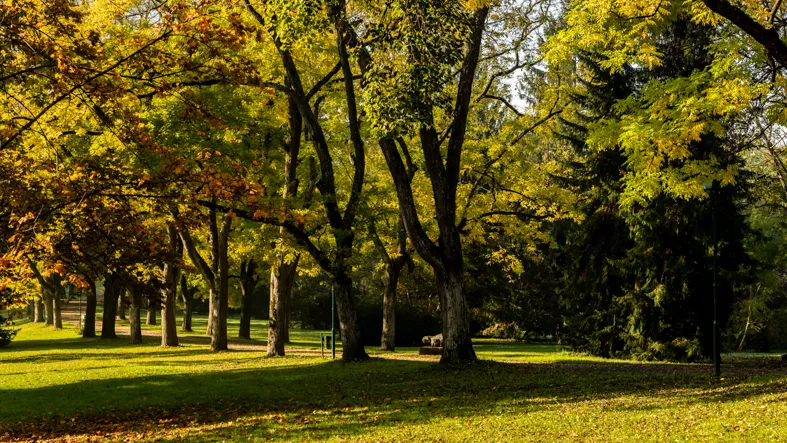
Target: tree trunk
<point x="244" y="331"/>
<point x="110" y="307"/>
<point x="38" y="310"/>
<point x="212" y="296"/>
<point x="215" y="253"/>
<point x="187" y="295"/>
<point x="352" y="340"/>
<point x="220" y="297"/>
<point x="457" y="343"/>
<point x="393" y="269"/>
<point x="388" y="339"/>
<point x="216" y="275"/>
<point x="152" y="309"/>
<point x="49" y="305"/>
<point x="89" y="327"/>
<point x="169" y="326"/>
<point x="285" y="325"/>
<point x="248" y="284"/>
<point x="282" y="279"/>
<point x="134" y="315"/>
<point x="57" y="294"/>
<point x="122" y="306"/>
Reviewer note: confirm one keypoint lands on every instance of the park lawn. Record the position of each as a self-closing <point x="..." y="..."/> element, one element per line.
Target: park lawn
<point x="57" y="386"/>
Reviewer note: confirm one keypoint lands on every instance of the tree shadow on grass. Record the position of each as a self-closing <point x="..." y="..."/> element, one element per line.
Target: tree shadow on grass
<point x="311" y="401"/>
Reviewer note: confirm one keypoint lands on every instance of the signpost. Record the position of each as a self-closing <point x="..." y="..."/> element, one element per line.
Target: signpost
<point x="330" y="342"/>
<point x="333" y="325"/>
<point x="713" y="188"/>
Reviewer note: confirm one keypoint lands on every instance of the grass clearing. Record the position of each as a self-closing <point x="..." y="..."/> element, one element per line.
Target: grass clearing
<point x="57" y="386"/>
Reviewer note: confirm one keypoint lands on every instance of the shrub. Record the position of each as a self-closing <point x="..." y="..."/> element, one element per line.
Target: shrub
<point x="7" y="332"/>
<point x="504" y="330"/>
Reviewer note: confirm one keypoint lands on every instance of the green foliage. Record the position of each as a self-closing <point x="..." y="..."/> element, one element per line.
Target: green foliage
<point x="638" y="275"/>
<point x="417" y="45"/>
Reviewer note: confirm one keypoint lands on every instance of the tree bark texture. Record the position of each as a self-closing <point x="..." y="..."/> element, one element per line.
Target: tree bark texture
<point x="49" y="306"/>
<point x="57" y="299"/>
<point x="282" y="279"/>
<point x="218" y="339"/>
<point x="457" y="343"/>
<point x="38" y="310"/>
<point x="169" y="326"/>
<point x="352" y="340"/>
<point x="135" y="314"/>
<point x="388" y="338"/>
<point x="89" y="326"/>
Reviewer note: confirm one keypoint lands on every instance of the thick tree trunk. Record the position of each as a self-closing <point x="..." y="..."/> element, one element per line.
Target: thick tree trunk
<point x="248" y="284"/>
<point x="209" y="329"/>
<point x="352" y="340"/>
<point x="187" y="295"/>
<point x="457" y="343"/>
<point x="89" y="327"/>
<point x="135" y="315"/>
<point x="38" y="310"/>
<point x="110" y="307"/>
<point x="388" y="339"/>
<point x="282" y="279"/>
<point x="152" y="309"/>
<point x="169" y="326"/>
<point x="49" y="304"/>
<point x="57" y="295"/>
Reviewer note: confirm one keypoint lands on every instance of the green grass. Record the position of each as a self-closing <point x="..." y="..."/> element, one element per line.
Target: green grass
<point x="55" y="385"/>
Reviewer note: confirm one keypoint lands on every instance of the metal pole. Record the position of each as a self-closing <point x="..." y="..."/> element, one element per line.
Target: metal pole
<point x="80" y="309"/>
<point x="333" y="325"/>
<point x="716" y="351"/>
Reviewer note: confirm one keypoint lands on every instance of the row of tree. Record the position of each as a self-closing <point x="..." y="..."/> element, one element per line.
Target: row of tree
<point x="526" y="156"/>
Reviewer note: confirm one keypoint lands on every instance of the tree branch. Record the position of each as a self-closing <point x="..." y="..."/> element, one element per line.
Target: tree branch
<point x="768" y="38"/>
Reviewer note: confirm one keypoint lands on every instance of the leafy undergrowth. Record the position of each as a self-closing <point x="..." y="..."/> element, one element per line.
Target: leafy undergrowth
<point x="56" y="386"/>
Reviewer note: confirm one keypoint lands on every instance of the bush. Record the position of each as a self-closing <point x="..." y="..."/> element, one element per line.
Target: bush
<point x="504" y="330"/>
<point x="776" y="330"/>
<point x="7" y="333"/>
<point x="681" y="350"/>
